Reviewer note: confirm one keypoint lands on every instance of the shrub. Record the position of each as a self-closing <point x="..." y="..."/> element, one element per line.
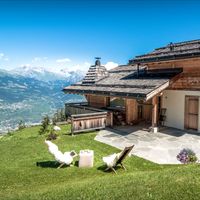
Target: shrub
<point x="21" y="125"/>
<point x="45" y="125"/>
<point x="54" y="121"/>
<point x="9" y="132"/>
<point x="52" y="135"/>
<point x="187" y="156"/>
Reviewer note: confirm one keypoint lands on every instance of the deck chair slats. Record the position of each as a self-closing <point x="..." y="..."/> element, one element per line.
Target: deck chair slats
<point x="119" y="160"/>
<point x="124" y="153"/>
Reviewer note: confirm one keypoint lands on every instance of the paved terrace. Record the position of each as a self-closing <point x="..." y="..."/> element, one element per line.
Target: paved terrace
<point x="161" y="147"/>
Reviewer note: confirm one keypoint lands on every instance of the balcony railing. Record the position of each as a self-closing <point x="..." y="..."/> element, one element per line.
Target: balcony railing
<point x="86" y="118"/>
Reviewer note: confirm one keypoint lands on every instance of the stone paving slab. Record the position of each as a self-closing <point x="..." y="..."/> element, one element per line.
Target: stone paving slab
<point x="161" y="147"/>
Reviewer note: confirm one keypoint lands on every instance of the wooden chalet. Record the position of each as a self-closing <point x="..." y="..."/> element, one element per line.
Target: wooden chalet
<point x="158" y="88"/>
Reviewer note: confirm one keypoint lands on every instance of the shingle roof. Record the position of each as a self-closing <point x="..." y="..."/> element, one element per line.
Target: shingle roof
<point x="124" y="81"/>
<point x="172" y="51"/>
<point x="124" y="68"/>
<point x="94" y="74"/>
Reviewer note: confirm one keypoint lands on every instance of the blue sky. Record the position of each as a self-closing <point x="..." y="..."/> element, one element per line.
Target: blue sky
<point x="58" y="33"/>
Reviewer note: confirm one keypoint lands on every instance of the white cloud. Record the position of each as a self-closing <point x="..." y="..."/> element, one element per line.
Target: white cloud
<point x="3" y="57"/>
<point x="63" y="60"/>
<point x="111" y="65"/>
<point x="6" y="59"/>
<point x="39" y="59"/>
<point x="36" y="59"/>
<point x="85" y="66"/>
<point x="87" y="63"/>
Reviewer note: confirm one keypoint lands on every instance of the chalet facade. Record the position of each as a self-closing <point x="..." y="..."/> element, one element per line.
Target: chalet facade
<point x="158" y="88"/>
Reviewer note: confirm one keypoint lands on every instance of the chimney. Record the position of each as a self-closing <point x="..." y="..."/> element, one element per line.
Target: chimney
<point x="171" y="46"/>
<point x="138" y="70"/>
<point x="97" y="62"/>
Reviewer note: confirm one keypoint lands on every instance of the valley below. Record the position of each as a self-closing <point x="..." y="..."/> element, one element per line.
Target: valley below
<point x="29" y="98"/>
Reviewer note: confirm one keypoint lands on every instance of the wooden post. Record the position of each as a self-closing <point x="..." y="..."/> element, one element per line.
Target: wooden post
<point x="107" y="101"/>
<point x="72" y="126"/>
<point x="131" y="111"/>
<point x="155" y="111"/>
<point x="127" y="111"/>
<point x="111" y="119"/>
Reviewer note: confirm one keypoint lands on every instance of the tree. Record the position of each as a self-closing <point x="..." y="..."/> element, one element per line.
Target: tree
<point x="9" y="132"/>
<point x="63" y="116"/>
<point x="21" y="125"/>
<point x="45" y="125"/>
<point x="54" y="121"/>
<point x="59" y="116"/>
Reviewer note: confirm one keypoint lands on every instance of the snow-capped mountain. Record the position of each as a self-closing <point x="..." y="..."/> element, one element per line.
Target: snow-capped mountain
<point x="29" y="93"/>
<point x="47" y="75"/>
<point x="4" y="72"/>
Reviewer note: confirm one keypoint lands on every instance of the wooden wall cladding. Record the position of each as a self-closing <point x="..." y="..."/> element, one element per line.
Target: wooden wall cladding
<point x="147" y="113"/>
<point x="109" y="119"/>
<point x="131" y="111"/>
<point x="97" y="101"/>
<point x="188" y="79"/>
<point x="80" y="124"/>
<point x="188" y="65"/>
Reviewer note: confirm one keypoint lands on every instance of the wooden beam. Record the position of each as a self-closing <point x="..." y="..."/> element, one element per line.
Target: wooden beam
<point x="156" y="91"/>
<point x="108" y="94"/>
<point x="155" y="111"/>
<point x="72" y="126"/>
<point x="88" y="118"/>
<point x="111" y="119"/>
<point x="89" y="129"/>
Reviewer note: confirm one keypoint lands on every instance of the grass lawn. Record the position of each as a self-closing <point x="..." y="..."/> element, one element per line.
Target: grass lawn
<point x="20" y="178"/>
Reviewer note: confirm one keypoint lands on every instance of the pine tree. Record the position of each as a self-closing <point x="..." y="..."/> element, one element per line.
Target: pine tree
<point x="45" y="125"/>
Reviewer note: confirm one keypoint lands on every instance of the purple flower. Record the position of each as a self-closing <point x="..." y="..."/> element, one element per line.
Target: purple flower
<point x="186" y="156"/>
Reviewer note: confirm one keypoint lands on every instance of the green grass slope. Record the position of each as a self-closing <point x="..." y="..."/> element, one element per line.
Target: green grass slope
<point x="21" y="178"/>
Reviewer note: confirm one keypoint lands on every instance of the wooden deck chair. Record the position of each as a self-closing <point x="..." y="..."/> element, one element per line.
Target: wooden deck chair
<point x="117" y="159"/>
<point x="63" y="159"/>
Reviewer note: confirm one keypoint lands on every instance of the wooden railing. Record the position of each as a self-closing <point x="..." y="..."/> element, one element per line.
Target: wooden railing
<point x="86" y="118"/>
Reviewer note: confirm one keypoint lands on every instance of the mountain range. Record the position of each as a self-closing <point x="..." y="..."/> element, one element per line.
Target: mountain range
<point x="29" y="93"/>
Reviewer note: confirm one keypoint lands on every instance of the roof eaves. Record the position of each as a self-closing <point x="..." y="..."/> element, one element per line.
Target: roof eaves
<point x="121" y="94"/>
<point x="157" y="90"/>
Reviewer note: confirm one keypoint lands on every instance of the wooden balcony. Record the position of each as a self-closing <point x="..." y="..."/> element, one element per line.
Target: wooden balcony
<point x="85" y="118"/>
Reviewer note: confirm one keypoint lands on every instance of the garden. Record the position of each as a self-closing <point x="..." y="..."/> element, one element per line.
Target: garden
<point x="22" y="178"/>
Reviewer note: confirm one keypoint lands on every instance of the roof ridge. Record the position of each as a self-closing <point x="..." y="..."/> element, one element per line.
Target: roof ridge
<point x="187" y="42"/>
<point x="179" y="43"/>
<point x="174" y="51"/>
<point x="178" y="50"/>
